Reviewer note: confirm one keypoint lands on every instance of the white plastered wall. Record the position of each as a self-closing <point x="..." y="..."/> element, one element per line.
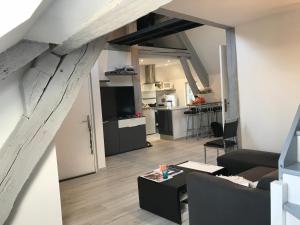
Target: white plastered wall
<point x="110" y="60"/>
<point x="40" y="200"/>
<point x="206" y="41"/>
<point x="39" y="203"/>
<point x="268" y="52"/>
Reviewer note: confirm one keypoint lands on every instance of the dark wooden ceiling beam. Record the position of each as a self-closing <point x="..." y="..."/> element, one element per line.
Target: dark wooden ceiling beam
<point x="162" y="29"/>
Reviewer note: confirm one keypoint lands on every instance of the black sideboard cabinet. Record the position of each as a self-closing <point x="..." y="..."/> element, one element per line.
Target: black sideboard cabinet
<point x="111" y="137"/>
<point x="124" y="135"/>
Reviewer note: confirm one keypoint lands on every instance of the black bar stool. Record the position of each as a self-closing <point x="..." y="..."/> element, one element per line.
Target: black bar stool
<point x="191" y="122"/>
<point x="205" y="113"/>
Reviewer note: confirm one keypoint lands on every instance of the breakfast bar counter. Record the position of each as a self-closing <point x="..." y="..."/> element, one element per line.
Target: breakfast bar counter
<point x="171" y="122"/>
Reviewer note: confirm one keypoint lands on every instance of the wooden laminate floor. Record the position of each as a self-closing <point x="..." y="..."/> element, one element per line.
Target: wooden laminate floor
<point x="111" y="198"/>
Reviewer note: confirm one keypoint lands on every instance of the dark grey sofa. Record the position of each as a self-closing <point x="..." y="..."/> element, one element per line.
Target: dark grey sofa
<point x="238" y="161"/>
<point x="215" y="201"/>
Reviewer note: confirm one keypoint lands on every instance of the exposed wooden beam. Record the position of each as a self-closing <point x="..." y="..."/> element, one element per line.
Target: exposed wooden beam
<point x="122" y="13"/>
<point x="158" y="30"/>
<point x="30" y="139"/>
<point x="19" y="55"/>
<point x="136" y="80"/>
<point x="233" y="89"/>
<point x="36" y="79"/>
<point x="143" y="50"/>
<point x="114" y="47"/>
<point x="189" y="75"/>
<point x="195" y="60"/>
<point x="233" y="92"/>
<point x="173" y="14"/>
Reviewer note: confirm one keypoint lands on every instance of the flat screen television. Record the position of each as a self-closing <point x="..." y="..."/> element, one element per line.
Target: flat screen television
<point x="117" y="102"/>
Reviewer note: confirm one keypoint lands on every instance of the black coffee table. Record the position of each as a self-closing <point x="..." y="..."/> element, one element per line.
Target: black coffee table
<point x="163" y="199"/>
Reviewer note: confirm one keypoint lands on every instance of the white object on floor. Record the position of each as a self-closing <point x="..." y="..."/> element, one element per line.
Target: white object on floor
<point x="200" y="166"/>
<point x="153" y="137"/>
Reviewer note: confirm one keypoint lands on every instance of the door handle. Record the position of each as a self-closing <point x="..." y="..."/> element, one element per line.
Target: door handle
<point x="88" y="121"/>
<point x="226" y="103"/>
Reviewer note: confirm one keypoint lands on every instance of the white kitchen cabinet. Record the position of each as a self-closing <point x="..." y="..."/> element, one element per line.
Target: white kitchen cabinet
<point x="150" y="120"/>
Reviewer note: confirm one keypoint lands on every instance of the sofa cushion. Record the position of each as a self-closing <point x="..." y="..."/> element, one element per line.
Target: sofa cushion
<point x="256" y="173"/>
<point x="241" y="160"/>
<point x="265" y="182"/>
<point x="239" y="180"/>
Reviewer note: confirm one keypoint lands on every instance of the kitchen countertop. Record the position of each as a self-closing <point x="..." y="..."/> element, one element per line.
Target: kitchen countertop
<point x="167" y="108"/>
<point x="180" y="107"/>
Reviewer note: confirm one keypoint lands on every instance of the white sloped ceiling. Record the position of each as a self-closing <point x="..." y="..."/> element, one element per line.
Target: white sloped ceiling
<point x="15" y="27"/>
<point x="231" y="12"/>
<point x="206" y="41"/>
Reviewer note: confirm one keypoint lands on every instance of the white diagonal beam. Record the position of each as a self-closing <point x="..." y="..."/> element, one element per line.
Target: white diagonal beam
<point x="19" y="55"/>
<point x="27" y="144"/>
<point x="36" y="79"/>
<point x="195" y="60"/>
<point x="189" y="75"/>
<point x="233" y="90"/>
<point x="118" y="14"/>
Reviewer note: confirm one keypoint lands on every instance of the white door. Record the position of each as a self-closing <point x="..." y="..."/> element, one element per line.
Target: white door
<point x="74" y="140"/>
<point x="224" y="81"/>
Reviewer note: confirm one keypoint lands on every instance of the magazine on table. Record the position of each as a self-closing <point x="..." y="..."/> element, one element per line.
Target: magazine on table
<point x="156" y="175"/>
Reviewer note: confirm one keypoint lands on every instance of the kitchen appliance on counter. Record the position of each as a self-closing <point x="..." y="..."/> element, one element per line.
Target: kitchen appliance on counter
<point x="171" y="100"/>
<point x="167" y="85"/>
<point x="167" y="100"/>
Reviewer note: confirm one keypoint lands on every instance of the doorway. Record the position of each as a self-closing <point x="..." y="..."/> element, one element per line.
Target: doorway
<point x="75" y="139"/>
<point x="172" y="78"/>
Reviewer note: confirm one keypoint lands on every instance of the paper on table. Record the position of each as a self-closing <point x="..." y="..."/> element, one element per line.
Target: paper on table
<point x="200" y="166"/>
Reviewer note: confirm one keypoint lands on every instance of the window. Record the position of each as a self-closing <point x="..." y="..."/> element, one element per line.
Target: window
<point x="189" y="96"/>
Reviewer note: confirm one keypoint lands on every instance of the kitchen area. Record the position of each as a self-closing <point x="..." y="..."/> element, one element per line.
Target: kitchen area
<point x="177" y="60"/>
<point x="167" y="96"/>
<point x="173" y="65"/>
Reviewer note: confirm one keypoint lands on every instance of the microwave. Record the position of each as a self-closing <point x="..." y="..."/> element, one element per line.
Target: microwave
<point x="167" y="85"/>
